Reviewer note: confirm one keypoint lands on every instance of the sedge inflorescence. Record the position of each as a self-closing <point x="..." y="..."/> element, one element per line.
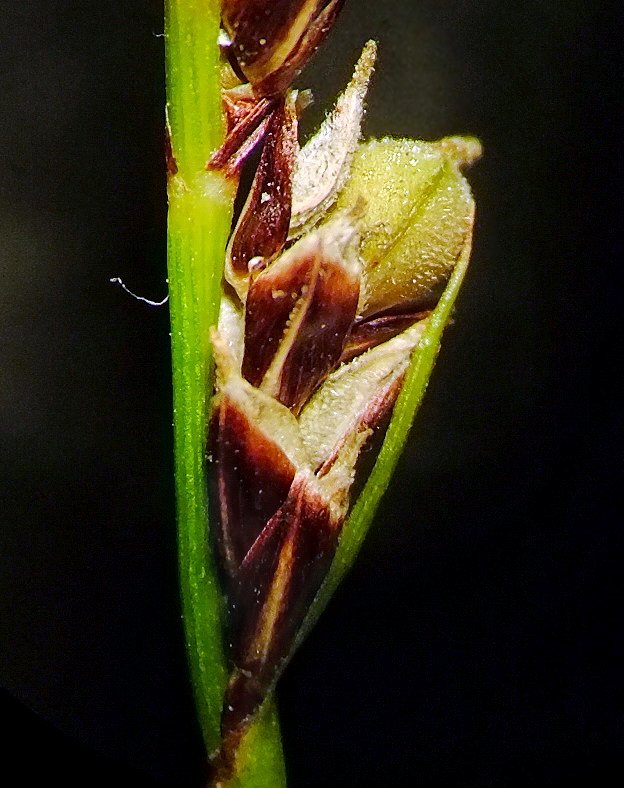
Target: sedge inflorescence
<point x="340" y="253"/>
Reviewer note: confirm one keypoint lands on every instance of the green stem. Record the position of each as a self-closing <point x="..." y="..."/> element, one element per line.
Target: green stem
<point x="200" y="212"/>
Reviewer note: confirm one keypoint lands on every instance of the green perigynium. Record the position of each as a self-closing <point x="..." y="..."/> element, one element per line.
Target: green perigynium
<point x="419" y="215"/>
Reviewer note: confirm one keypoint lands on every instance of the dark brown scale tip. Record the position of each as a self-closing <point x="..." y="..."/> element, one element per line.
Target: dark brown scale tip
<point x="272" y="42"/>
<point x="367" y="333"/>
<point x="271" y="299"/>
<point x="299" y="312"/>
<point x="245" y="116"/>
<point x="329" y="308"/>
<point x="253" y="475"/>
<point x="262" y="228"/>
<point x="234" y="166"/>
<point x="292" y="556"/>
<point x="301" y="53"/>
<point x="238" y="103"/>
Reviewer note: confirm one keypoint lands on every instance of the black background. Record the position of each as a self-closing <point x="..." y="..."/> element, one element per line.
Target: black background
<point x="476" y="642"/>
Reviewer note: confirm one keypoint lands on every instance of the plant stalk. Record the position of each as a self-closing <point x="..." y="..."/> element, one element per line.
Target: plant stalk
<point x="200" y="213"/>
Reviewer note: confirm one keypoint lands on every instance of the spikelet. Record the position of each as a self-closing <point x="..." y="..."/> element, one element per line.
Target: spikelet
<point x="340" y="253"/>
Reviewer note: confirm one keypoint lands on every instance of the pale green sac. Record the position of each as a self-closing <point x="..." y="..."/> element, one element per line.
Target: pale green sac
<point x="419" y="213"/>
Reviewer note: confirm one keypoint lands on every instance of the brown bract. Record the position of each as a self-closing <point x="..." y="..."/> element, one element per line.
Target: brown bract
<point x="299" y="312"/>
<point x="272" y="40"/>
<point x="279" y="521"/>
<point x="293" y="189"/>
<point x="276" y="584"/>
<point x="268" y="45"/>
<point x="286" y="451"/>
<point x="262" y="229"/>
<point x="247" y="122"/>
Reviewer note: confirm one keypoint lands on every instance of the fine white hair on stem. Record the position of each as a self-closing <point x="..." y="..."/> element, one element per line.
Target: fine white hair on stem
<point x="117" y="280"/>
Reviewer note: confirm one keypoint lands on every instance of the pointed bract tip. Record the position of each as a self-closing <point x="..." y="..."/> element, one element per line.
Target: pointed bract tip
<point x="465" y="151"/>
<point x="323" y="164"/>
<point x="366" y="63"/>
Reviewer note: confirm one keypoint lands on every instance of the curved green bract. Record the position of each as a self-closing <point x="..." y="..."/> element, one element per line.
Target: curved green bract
<point x="417" y="377"/>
